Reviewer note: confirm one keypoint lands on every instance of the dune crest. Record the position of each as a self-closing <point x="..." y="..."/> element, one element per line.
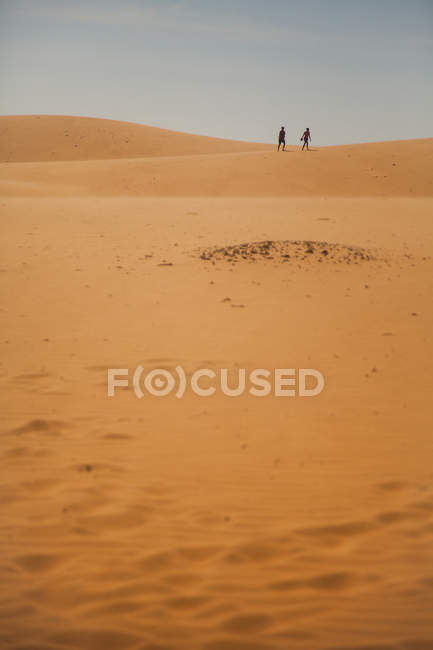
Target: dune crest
<point x="42" y="138"/>
<point x="67" y="156"/>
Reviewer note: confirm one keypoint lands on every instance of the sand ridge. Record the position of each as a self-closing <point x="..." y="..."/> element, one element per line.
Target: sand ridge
<point x="162" y="163"/>
<point x="42" y="138"/>
<point x="326" y="172"/>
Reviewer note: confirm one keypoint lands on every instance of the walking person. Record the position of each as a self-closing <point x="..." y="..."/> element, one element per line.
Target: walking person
<point x="282" y="138"/>
<point x="306" y="136"/>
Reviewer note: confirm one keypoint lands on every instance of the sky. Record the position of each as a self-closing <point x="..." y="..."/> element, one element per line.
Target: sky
<point x="351" y="70"/>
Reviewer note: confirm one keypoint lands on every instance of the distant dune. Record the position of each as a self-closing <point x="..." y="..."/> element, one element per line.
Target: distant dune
<point x="32" y="138"/>
<point x="106" y="158"/>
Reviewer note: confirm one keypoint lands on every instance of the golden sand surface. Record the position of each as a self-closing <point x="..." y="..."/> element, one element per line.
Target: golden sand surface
<point x="213" y="523"/>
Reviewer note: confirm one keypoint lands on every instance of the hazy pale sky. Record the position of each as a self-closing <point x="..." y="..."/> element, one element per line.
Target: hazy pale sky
<point x="352" y="71"/>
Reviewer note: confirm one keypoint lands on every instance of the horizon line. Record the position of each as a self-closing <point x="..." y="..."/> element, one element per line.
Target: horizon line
<point x="204" y="135"/>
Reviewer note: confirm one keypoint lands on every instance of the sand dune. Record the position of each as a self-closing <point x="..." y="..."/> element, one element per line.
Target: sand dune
<point x="197" y="166"/>
<point x="34" y="138"/>
<point x="214" y="523"/>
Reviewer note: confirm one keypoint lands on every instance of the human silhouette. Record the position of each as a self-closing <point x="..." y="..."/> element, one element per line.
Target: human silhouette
<point x="306" y="136"/>
<point x="282" y="138"/>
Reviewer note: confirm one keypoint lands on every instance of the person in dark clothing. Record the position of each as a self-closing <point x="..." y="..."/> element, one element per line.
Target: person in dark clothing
<point x="282" y="138"/>
<point x="306" y="136"/>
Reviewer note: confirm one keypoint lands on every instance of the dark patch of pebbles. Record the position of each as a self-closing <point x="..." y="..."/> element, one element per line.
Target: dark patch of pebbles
<point x="286" y="251"/>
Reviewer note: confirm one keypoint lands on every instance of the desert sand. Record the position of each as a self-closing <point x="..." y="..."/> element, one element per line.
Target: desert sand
<point x="213" y="523"/>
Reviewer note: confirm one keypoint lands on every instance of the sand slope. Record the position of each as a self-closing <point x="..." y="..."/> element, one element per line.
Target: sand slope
<point x="197" y="166"/>
<point x="30" y="138"/>
<point x="217" y="523"/>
